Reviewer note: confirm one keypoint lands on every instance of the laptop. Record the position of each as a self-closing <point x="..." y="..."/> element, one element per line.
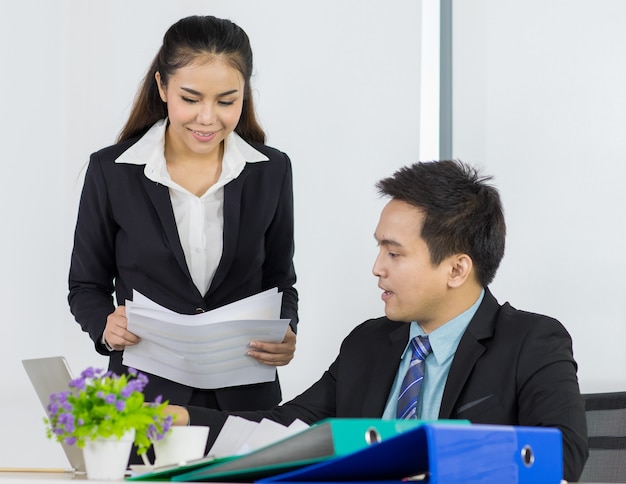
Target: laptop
<point x="52" y="375"/>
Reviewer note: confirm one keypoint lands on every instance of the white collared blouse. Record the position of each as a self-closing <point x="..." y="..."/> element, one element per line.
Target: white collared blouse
<point x="200" y="220"/>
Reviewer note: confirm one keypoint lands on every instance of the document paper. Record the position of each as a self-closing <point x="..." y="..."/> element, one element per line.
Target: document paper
<point x="240" y="436"/>
<point x="206" y="350"/>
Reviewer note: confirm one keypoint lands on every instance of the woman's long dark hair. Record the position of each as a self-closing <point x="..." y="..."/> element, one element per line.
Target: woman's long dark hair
<point x="184" y="42"/>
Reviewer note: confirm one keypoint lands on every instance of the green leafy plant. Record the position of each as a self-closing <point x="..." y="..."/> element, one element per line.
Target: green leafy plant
<point x="103" y="404"/>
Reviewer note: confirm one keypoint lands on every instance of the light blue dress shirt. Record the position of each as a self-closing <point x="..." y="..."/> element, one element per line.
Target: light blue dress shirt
<point x="443" y="341"/>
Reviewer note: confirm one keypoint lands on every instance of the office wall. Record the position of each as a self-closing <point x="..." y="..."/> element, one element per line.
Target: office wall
<point x="337" y="86"/>
<point x="539" y="101"/>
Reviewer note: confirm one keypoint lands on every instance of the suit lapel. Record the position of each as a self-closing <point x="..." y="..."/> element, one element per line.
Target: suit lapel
<point x="470" y="348"/>
<point x="232" y="216"/>
<point x="384" y="371"/>
<point x="160" y="198"/>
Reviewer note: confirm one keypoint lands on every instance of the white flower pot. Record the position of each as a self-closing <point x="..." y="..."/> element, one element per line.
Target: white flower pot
<point x="107" y="459"/>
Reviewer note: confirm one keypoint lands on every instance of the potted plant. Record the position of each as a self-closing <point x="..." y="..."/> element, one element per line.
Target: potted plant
<point x="101" y="406"/>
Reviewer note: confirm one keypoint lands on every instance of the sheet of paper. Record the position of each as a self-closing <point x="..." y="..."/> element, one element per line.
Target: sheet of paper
<point x="206" y="350"/>
<point x="232" y="437"/>
<point x="240" y="436"/>
<point x="268" y="432"/>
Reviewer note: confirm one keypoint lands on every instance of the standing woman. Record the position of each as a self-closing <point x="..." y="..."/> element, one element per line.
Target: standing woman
<point x="189" y="208"/>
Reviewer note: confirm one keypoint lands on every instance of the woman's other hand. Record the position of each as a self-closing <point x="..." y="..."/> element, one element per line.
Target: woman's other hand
<point x="275" y="354"/>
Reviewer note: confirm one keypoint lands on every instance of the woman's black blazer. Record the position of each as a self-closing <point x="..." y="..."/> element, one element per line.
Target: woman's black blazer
<point x="126" y="238"/>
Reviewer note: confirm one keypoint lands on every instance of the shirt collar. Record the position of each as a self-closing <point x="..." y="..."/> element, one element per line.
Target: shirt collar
<point x="149" y="151"/>
<point x="445" y="339"/>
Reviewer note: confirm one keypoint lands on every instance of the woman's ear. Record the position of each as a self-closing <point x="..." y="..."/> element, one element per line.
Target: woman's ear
<point x="461" y="267"/>
<point x="160" y="87"/>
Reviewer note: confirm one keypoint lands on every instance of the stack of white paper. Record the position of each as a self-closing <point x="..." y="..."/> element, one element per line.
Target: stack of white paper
<point x="206" y="350"/>
<point x="240" y="436"/>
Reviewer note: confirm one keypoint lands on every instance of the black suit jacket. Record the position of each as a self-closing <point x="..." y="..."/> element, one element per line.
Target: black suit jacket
<point x="510" y="368"/>
<point x="126" y="238"/>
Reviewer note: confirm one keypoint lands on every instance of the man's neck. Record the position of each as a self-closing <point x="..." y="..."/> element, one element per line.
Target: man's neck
<point x="460" y="300"/>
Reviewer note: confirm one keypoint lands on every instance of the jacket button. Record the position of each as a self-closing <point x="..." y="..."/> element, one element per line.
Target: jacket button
<point x="199" y="310"/>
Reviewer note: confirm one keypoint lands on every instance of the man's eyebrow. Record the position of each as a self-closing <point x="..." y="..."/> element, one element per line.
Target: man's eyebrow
<point x="197" y="93"/>
<point x="387" y="242"/>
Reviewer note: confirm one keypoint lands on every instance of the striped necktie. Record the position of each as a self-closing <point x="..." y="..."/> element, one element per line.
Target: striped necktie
<point x="409" y="391"/>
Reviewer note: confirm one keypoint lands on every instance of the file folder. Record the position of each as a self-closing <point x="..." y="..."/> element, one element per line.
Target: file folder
<point x="328" y="439"/>
<point x="445" y="454"/>
<point x="166" y="472"/>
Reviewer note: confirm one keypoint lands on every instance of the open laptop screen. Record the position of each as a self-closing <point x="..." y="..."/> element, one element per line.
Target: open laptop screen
<point x="52" y="375"/>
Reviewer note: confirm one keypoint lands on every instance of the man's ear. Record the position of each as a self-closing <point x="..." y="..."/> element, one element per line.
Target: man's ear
<point x="160" y="87"/>
<point x="461" y="268"/>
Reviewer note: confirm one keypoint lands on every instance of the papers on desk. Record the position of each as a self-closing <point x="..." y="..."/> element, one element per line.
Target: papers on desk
<point x="206" y="350"/>
<point x="240" y="436"/>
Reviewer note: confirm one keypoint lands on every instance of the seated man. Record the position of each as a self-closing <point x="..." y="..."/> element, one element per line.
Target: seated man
<point x="441" y="239"/>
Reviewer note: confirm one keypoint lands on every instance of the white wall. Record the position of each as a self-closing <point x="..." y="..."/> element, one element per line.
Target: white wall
<point x="539" y="101"/>
<point x="337" y="86"/>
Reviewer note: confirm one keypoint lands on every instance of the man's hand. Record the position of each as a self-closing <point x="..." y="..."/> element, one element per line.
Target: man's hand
<point x="180" y="414"/>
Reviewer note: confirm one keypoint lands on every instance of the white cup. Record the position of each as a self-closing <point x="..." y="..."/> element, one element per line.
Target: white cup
<point x="181" y="444"/>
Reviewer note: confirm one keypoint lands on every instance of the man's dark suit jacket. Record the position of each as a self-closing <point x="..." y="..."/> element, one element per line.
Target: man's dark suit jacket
<point x="126" y="238"/>
<point x="510" y="368"/>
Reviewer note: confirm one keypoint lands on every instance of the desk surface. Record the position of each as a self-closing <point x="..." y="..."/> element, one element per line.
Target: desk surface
<point x="27" y="477"/>
<point x="65" y="477"/>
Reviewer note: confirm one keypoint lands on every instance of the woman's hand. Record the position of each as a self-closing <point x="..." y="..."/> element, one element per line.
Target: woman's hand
<point x="275" y="354"/>
<point x="115" y="333"/>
